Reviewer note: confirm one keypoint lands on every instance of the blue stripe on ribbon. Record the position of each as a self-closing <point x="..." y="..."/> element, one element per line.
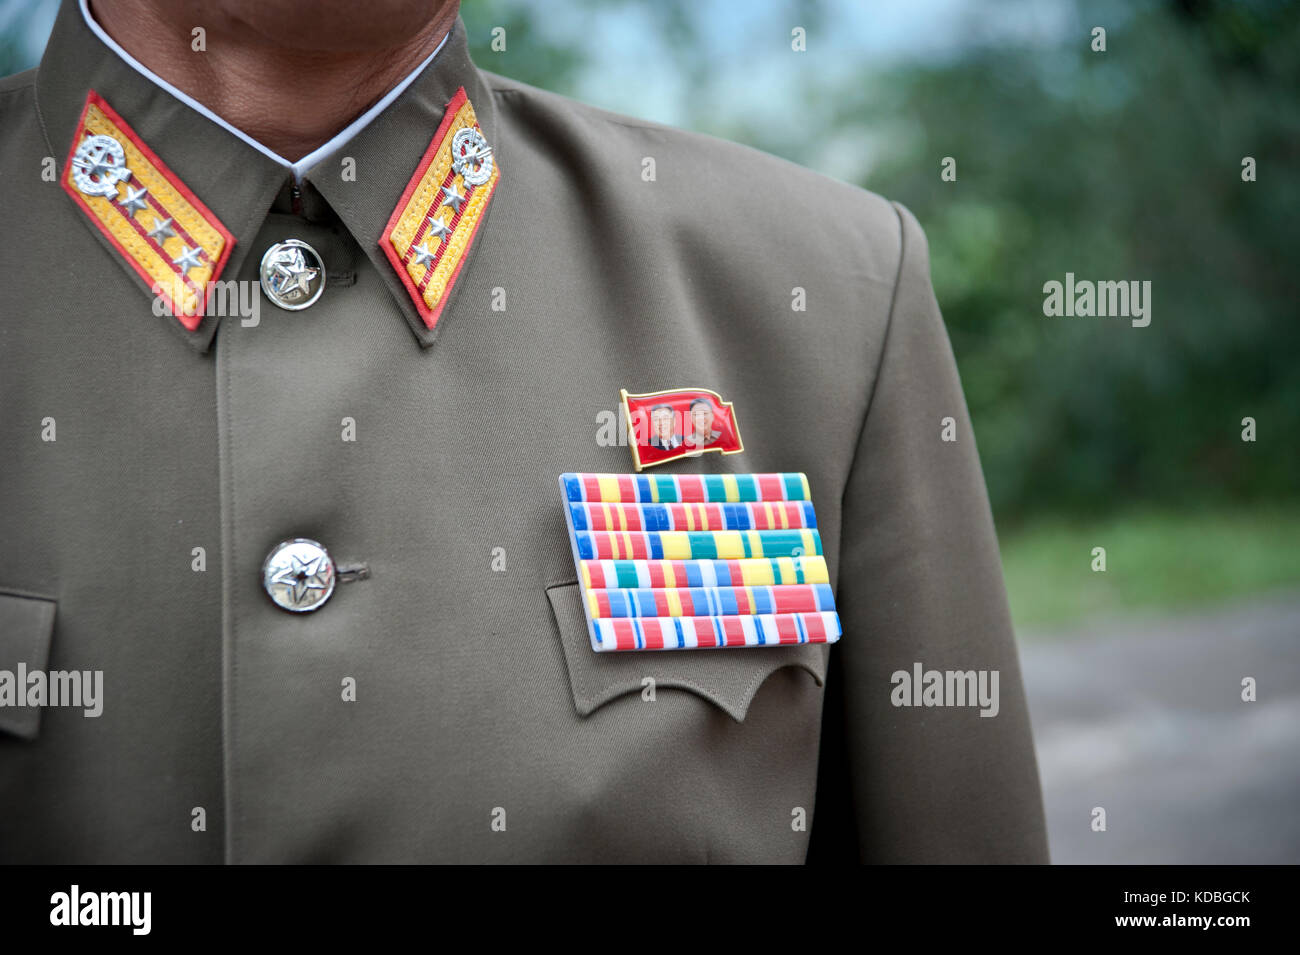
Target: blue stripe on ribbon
<point x="809" y="517"/>
<point x="643" y="488"/>
<point x="585" y="550"/>
<point x="762" y="600"/>
<point x="825" y="597"/>
<point x="656" y="547"/>
<point x="655" y="517"/>
<point x="572" y="487"/>
<point x="646" y="607"/>
<point x="681" y="637"/>
<point x="803" y="634"/>
<point x="738" y="518"/>
<point x="717" y="632"/>
<point x="579" y="513"/>
<point x="640" y="638"/>
<point x="758" y="629"/>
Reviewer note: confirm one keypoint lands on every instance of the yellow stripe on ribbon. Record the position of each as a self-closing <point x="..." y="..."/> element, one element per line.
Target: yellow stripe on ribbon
<point x="674" y="604"/>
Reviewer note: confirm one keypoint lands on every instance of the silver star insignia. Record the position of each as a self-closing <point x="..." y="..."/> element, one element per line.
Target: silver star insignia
<point x="302" y="578"/>
<point x="162" y="230"/>
<point x="422" y="255"/>
<point x="451" y="196"/>
<point x="438" y="229"/>
<point x="294" y="274"/>
<point x="134" y="201"/>
<point x="188" y="259"/>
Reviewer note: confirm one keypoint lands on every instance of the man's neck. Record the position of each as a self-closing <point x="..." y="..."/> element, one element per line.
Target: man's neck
<point x="290" y="99"/>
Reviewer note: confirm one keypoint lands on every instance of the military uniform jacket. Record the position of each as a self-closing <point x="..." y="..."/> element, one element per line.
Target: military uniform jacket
<point x="480" y="725"/>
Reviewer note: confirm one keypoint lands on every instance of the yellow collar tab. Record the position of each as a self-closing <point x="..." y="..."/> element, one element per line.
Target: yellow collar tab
<point x="147" y="215"/>
<point x="431" y="232"/>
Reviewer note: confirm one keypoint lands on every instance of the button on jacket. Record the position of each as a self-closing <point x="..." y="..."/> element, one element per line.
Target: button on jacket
<point x="442" y="701"/>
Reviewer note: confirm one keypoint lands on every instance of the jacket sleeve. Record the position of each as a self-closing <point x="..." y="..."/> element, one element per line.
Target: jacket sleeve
<point x="920" y="582"/>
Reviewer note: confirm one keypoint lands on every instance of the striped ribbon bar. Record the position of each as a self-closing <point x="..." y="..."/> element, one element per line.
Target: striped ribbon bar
<point x="686" y="561"/>
<point x="695" y="545"/>
<point x="758" y="572"/>
<point x="689" y="633"/>
<point x="753" y="516"/>
<point x="684" y="488"/>
<point x="710" y="601"/>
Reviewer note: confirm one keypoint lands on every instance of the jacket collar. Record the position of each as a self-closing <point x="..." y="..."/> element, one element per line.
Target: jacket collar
<point x="238" y="182"/>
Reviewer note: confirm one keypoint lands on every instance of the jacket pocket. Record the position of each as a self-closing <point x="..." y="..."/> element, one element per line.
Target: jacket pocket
<point x="727" y="678"/>
<point x="26" y="628"/>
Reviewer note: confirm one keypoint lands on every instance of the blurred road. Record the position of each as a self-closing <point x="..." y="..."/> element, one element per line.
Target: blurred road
<point x="1144" y="717"/>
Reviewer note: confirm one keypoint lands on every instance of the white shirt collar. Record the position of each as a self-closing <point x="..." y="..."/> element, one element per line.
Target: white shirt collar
<point x="303" y="164"/>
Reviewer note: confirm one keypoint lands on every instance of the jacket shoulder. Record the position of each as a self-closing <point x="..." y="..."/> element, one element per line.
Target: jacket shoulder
<point x="17" y="81"/>
<point x="20" y="130"/>
<point x="753" y="188"/>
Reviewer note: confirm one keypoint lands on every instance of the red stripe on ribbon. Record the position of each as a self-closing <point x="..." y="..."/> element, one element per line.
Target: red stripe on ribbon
<point x="786" y="629"/>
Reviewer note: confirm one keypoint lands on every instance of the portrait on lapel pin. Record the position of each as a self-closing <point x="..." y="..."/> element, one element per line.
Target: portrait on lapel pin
<point x="702" y="433"/>
<point x="667" y="425"/>
<point x="664" y="434"/>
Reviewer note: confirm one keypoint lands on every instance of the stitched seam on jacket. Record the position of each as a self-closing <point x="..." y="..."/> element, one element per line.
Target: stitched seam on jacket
<point x="884" y="346"/>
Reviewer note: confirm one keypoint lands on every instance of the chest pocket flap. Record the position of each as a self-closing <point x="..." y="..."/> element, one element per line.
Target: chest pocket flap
<point x="728" y="678"/>
<point x="26" y="627"/>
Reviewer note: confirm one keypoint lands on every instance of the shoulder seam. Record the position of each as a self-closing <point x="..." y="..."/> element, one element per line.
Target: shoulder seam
<point x="884" y="341"/>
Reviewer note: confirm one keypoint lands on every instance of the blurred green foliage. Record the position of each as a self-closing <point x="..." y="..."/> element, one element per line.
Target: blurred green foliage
<point x="529" y="55"/>
<point x="1156" y="560"/>
<point x="1117" y="165"/>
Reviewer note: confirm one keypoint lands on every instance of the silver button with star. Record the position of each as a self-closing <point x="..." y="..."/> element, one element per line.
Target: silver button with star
<point x="298" y="575"/>
<point x="292" y="274"/>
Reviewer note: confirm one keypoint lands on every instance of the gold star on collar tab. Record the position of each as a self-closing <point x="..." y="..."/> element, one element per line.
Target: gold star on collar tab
<point x="431" y="231"/>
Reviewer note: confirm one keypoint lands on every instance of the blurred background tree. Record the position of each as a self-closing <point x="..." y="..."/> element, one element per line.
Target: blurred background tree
<point x="1116" y="165"/>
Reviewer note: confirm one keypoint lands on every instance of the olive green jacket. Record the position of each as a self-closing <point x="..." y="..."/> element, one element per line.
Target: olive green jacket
<point x="147" y="470"/>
